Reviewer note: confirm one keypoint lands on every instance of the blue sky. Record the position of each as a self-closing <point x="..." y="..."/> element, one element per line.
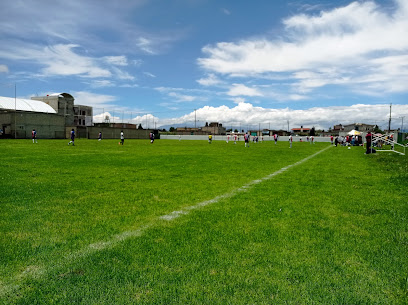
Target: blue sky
<point x="250" y="63"/>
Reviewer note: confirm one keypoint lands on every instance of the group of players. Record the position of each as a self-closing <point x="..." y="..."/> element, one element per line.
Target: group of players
<point x="247" y="138"/>
<point x="72" y="136"/>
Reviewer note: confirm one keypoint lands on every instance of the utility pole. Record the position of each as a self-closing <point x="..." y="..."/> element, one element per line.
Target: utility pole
<point x="288" y="125"/>
<point x="15" y="111"/>
<point x="402" y="123"/>
<point x="195" y="119"/>
<point x="389" y="122"/>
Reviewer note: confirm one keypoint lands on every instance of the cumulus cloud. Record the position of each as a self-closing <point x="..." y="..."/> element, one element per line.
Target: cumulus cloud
<point x="146" y="120"/>
<point x="357" y="43"/>
<point x="246" y="114"/>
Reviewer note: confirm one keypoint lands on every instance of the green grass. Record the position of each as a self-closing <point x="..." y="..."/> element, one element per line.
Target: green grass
<point x="81" y="225"/>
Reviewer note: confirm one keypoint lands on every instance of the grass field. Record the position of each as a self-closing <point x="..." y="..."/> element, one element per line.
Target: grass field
<point x="186" y="222"/>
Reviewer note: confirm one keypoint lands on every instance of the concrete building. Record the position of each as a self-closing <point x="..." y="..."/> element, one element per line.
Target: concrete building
<point x="359" y="127"/>
<point x="18" y="117"/>
<point x="83" y="115"/>
<point x="301" y="131"/>
<point x="52" y="116"/>
<point x="63" y="104"/>
<point x="214" y="128"/>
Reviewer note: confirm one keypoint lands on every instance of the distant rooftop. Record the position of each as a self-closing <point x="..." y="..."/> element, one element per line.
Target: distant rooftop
<point x="11" y="103"/>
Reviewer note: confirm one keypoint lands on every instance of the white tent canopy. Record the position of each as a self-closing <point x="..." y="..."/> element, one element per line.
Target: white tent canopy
<point x="354" y="133"/>
<point x="25" y="105"/>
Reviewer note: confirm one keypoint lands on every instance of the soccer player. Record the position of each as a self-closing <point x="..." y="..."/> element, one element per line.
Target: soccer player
<point x="235" y="139"/>
<point x="34" y="136"/>
<point x="246" y="138"/>
<point x="122" y="138"/>
<point x="100" y="136"/>
<point x="275" y="137"/>
<point x="72" y="137"/>
<point x="290" y="141"/>
<point x="151" y="135"/>
<point x="227" y="139"/>
<point x="331" y="139"/>
<point x="210" y="138"/>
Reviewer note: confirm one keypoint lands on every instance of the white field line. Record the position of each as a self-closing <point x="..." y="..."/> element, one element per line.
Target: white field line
<point x="234" y="192"/>
<point x="39" y="271"/>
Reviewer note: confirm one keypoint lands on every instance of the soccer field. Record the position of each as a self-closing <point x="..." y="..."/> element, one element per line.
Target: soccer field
<point x="187" y="222"/>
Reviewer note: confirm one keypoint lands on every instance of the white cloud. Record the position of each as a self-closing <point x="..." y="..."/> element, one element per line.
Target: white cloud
<point x="146" y="120"/>
<point x="129" y="86"/>
<point x="245" y="114"/>
<point x="101" y="83"/>
<point x="61" y="60"/>
<point x="116" y="60"/>
<point x="145" y="45"/>
<point x="351" y="40"/>
<point x="149" y="74"/>
<point x="137" y="62"/>
<point x="66" y="60"/>
<point x="93" y="99"/>
<point x="181" y="97"/>
<point x="3" y="69"/>
<point x="57" y="60"/>
<point x="123" y="75"/>
<point x="210" y="80"/>
<point x="238" y="100"/>
<point x="240" y="89"/>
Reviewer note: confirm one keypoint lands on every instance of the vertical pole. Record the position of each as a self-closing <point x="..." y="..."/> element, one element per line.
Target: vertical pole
<point x="389" y="122"/>
<point x="15" y="111"/>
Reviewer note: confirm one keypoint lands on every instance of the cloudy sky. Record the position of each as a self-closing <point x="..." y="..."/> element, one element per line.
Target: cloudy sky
<point x="242" y="63"/>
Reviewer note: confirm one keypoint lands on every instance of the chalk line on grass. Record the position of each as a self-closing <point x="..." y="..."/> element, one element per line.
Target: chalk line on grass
<point x="37" y="271"/>
<point x="244" y="188"/>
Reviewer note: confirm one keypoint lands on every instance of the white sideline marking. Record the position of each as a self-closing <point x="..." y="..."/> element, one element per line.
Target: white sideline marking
<point x="38" y="271"/>
<point x="244" y="188"/>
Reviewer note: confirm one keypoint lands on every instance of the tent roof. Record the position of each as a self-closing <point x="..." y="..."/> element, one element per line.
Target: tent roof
<point x="11" y="103"/>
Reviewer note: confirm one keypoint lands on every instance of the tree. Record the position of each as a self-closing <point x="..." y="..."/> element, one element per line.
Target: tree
<point x="172" y="129"/>
<point x="140" y="126"/>
<point x="236" y="130"/>
<point x="312" y="132"/>
<point x="377" y="129"/>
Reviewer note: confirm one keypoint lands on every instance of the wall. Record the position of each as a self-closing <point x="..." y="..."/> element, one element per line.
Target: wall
<point x="114" y="133"/>
<point x="48" y="126"/>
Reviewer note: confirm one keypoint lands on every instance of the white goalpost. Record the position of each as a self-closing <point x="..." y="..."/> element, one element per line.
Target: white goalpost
<point x="380" y="140"/>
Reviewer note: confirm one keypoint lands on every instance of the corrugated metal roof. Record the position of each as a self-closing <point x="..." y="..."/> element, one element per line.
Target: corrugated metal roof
<point x="25" y="105"/>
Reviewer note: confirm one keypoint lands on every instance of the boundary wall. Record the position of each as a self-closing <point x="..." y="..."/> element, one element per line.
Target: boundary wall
<point x="114" y="133"/>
